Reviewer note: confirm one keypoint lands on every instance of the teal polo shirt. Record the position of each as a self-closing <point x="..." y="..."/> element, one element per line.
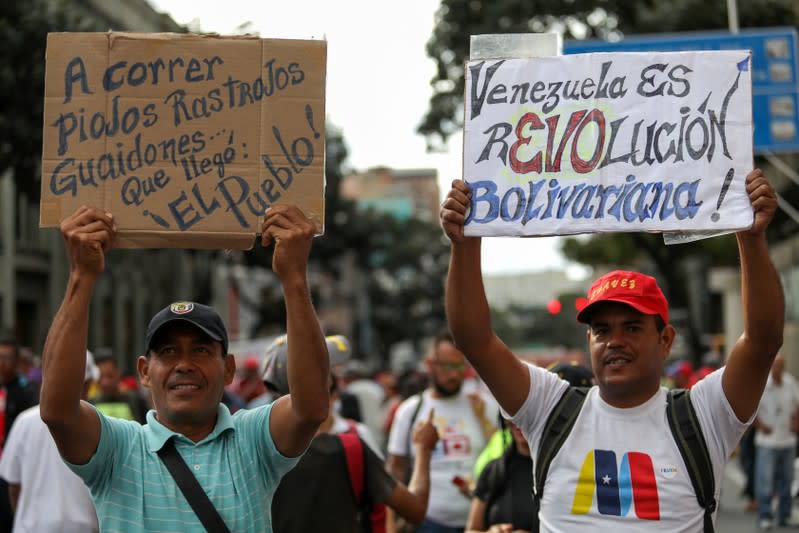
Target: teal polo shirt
<point x="237" y="465"/>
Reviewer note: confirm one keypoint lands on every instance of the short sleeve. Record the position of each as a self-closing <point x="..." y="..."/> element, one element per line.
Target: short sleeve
<point x="14" y="451"/>
<point x="379" y="483"/>
<point x="483" y="488"/>
<point x="398" y="440"/>
<point x="116" y="439"/>
<point x="253" y="424"/>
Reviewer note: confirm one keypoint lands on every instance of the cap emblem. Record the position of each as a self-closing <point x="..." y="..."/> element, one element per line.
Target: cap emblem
<point x="181" y="308"/>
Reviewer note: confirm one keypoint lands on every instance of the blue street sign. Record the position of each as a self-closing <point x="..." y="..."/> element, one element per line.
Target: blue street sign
<point x="775" y="90"/>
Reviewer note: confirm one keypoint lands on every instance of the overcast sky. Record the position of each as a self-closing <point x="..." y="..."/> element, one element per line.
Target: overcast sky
<point x="377" y="86"/>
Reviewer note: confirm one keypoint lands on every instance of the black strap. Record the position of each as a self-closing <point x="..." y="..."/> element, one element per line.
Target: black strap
<point x="693" y="448"/>
<point x="191" y="489"/>
<point x="557" y="428"/>
<point x="409" y="462"/>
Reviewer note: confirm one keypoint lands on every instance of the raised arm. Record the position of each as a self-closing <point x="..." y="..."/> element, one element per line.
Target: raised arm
<point x="411" y="502"/>
<point x="74" y="424"/>
<point x="763" y="306"/>
<point x="467" y="309"/>
<point x="296" y="417"/>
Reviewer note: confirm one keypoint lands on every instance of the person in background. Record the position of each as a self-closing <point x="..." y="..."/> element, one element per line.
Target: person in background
<point x="358" y="383"/>
<point x="502" y="500"/>
<point x="112" y="398"/>
<point x="47" y="497"/>
<point x="463" y="427"/>
<point x="247" y="384"/>
<point x="775" y="445"/>
<point x="681" y="374"/>
<point x="572" y="372"/>
<point x="27" y="366"/>
<point x="307" y="501"/>
<point x="16" y="395"/>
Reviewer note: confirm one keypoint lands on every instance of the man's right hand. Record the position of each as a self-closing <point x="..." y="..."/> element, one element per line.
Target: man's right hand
<point x="453" y="210"/>
<point x="88" y="233"/>
<point x="425" y="433"/>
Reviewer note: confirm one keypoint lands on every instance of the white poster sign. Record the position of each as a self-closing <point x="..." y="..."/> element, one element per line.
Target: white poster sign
<point x="608" y="142"/>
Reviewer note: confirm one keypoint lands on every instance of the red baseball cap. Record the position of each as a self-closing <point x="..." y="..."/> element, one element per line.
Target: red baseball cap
<point x="639" y="291"/>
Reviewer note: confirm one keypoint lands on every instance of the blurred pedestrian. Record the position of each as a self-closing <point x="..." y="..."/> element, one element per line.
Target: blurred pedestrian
<point x="16" y="395"/>
<point x="502" y="499"/>
<point x="236" y="461"/>
<point x="347" y="498"/>
<point x="112" y="398"/>
<point x="47" y="497"/>
<point x="775" y="446"/>
<point x="464" y="430"/>
<point x="370" y="396"/>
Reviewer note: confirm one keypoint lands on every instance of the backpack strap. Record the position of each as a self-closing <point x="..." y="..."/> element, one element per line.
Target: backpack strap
<point x="687" y="433"/>
<point x="557" y="428"/>
<point x="414" y="416"/>
<point x="353" y="451"/>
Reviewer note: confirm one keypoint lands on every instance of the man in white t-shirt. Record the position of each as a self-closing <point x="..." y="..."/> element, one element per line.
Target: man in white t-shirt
<point x="47" y="497"/>
<point x="775" y="445"/>
<point x="620" y="469"/>
<point x="463" y="428"/>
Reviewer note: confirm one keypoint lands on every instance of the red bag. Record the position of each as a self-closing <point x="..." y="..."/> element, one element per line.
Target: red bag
<point x="354" y="452"/>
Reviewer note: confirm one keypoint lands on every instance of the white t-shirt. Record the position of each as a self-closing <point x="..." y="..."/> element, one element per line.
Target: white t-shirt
<point x="461" y="440"/>
<point x="370" y="401"/>
<point x="620" y="469"/>
<point x="52" y="498"/>
<point x="777" y="405"/>
<point x="342" y="425"/>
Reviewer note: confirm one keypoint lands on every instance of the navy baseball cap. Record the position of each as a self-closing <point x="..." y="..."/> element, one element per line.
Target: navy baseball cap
<point x="198" y="315"/>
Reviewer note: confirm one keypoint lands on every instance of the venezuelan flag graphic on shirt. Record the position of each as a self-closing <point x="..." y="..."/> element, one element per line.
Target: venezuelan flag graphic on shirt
<point x="618" y="487"/>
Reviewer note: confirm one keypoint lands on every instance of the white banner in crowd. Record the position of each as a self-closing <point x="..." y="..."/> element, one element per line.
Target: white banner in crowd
<point x="608" y="142"/>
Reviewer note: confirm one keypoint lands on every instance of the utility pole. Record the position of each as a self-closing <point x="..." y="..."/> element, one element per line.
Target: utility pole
<point x="8" y="312"/>
<point x="732" y="15"/>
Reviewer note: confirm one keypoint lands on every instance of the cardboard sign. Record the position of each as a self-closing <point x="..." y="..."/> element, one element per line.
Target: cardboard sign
<point x="185" y="139"/>
<point x="608" y="142"/>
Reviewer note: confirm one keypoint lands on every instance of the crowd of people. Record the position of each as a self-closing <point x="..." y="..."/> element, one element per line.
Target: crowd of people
<point x="307" y="440"/>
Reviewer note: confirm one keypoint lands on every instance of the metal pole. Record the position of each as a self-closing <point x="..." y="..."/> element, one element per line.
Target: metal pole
<point x="8" y="202"/>
<point x="732" y="15"/>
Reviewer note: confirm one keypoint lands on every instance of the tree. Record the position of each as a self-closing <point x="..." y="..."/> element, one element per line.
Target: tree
<point x="23" y="31"/>
<point x="402" y="262"/>
<point x="456" y="20"/>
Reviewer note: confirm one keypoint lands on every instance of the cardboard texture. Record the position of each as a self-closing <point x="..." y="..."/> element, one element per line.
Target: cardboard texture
<point x="185" y="139"/>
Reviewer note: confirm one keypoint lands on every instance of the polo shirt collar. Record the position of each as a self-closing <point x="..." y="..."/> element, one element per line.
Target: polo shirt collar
<point x="157" y="434"/>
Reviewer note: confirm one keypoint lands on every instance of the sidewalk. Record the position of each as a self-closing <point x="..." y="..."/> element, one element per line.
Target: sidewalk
<point x="731" y="516"/>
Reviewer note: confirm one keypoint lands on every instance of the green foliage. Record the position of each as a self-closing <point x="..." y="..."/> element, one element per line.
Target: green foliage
<point x="457" y="20"/>
<point x="522" y="325"/>
<point x="401" y="265"/>
<point x="23" y="31"/>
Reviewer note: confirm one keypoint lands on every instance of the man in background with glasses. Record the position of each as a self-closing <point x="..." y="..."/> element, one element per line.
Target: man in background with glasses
<point x="463" y="427"/>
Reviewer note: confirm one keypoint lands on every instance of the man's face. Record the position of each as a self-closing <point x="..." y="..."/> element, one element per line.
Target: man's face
<point x="186" y="372"/>
<point x="8" y="363"/>
<point x="627" y="352"/>
<point x="447" y="367"/>
<point x="110" y="377"/>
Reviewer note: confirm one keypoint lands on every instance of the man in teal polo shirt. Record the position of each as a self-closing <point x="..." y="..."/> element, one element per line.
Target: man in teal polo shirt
<point x="237" y="460"/>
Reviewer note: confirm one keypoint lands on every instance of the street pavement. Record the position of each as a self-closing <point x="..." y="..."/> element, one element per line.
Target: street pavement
<point x="732" y="518"/>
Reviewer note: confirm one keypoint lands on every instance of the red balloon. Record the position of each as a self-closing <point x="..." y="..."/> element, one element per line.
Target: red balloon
<point x="554" y="306"/>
